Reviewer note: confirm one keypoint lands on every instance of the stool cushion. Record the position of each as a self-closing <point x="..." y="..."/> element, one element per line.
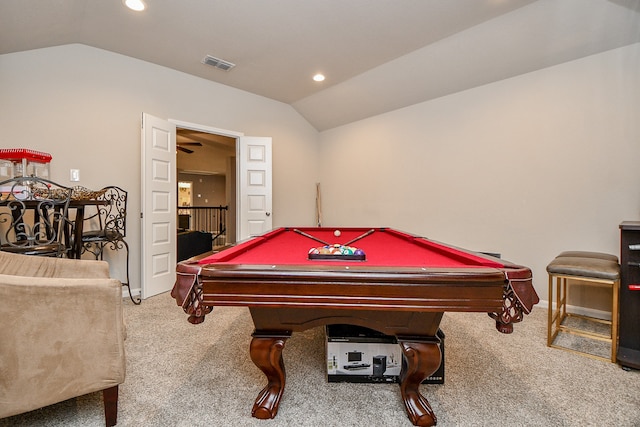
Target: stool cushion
<point x="585" y="254"/>
<point x="594" y="268"/>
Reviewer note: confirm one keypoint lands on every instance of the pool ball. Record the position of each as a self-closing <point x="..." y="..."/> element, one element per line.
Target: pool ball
<point x="337" y="233"/>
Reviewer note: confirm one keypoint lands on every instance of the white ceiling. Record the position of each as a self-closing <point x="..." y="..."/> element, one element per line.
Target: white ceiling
<point x="378" y="55"/>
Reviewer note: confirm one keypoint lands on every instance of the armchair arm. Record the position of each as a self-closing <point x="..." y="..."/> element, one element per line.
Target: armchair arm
<point x="39" y="266"/>
<point x="61" y="338"/>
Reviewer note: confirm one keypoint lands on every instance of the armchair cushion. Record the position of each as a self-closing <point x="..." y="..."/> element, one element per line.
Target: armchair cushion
<point x="62" y="331"/>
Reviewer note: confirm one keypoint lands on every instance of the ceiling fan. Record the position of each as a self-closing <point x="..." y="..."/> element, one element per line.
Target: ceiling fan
<point x="180" y="146"/>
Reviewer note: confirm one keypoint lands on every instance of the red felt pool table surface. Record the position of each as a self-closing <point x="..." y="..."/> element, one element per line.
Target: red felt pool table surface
<point x="384" y="247"/>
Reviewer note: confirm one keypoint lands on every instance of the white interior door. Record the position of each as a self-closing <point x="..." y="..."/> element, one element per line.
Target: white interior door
<point x="159" y="184"/>
<point x="254" y="196"/>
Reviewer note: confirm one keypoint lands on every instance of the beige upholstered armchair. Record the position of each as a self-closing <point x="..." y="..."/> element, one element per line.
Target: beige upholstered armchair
<point x="61" y="333"/>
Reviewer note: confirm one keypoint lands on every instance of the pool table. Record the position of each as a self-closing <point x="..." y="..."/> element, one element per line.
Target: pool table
<point x="401" y="285"/>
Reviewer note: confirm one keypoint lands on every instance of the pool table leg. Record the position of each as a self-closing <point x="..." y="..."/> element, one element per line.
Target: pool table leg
<point x="422" y="359"/>
<point x="266" y="353"/>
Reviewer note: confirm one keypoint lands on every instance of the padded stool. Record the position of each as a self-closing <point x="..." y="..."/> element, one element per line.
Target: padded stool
<point x="590" y="268"/>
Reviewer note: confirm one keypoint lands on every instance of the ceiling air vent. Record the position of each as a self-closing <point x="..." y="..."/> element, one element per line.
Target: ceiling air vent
<point x="218" y="63"/>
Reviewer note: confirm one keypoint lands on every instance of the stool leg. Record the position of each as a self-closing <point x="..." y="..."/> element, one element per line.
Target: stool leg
<point x="550" y="312"/>
<point x="614" y="321"/>
<point x="559" y="293"/>
<point x="563" y="300"/>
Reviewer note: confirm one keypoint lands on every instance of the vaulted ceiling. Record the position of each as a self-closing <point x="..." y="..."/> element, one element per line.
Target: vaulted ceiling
<point x="377" y="55"/>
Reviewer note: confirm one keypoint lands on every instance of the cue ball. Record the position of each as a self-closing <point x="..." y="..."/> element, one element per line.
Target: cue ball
<point x="337" y="233"/>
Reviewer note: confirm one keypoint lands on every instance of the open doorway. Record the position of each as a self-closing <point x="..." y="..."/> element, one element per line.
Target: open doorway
<point x="206" y="179"/>
<point x="248" y="192"/>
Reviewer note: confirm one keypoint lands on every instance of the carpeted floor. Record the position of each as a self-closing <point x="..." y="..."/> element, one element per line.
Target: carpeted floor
<point x="179" y="374"/>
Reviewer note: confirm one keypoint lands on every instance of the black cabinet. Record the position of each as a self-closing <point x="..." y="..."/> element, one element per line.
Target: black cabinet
<point x="192" y="243"/>
<point x="629" y="306"/>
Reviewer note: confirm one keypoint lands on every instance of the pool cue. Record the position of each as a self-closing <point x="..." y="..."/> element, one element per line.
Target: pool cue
<point x="310" y="236"/>
<point x="359" y="237"/>
<point x="318" y="206"/>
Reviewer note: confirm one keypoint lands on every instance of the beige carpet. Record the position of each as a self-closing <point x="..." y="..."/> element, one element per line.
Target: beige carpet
<point x="179" y="374"/>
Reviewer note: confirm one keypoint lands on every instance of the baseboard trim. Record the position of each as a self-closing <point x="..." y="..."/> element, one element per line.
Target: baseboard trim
<point x="583" y="311"/>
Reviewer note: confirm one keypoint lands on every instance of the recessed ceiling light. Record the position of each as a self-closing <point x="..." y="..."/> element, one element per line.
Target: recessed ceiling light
<point x="318" y="77"/>
<point x="137" y="5"/>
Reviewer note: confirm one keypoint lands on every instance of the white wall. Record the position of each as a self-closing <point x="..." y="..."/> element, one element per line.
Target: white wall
<point x="526" y="167"/>
<point x="84" y="106"/>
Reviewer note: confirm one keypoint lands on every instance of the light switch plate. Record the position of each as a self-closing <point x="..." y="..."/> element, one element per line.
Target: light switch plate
<point x="74" y="175"/>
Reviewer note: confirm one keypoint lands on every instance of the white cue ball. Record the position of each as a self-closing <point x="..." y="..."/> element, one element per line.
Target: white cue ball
<point x="337" y="233"/>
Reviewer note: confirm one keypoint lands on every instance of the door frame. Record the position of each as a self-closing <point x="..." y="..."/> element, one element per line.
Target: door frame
<point x="216" y="131"/>
<point x="206" y="129"/>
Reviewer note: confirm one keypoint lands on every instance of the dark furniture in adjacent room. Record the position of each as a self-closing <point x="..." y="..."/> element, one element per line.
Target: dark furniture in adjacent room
<point x="192" y="243"/>
<point x="184" y="222"/>
<point x="402" y="289"/>
<point x="629" y="331"/>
